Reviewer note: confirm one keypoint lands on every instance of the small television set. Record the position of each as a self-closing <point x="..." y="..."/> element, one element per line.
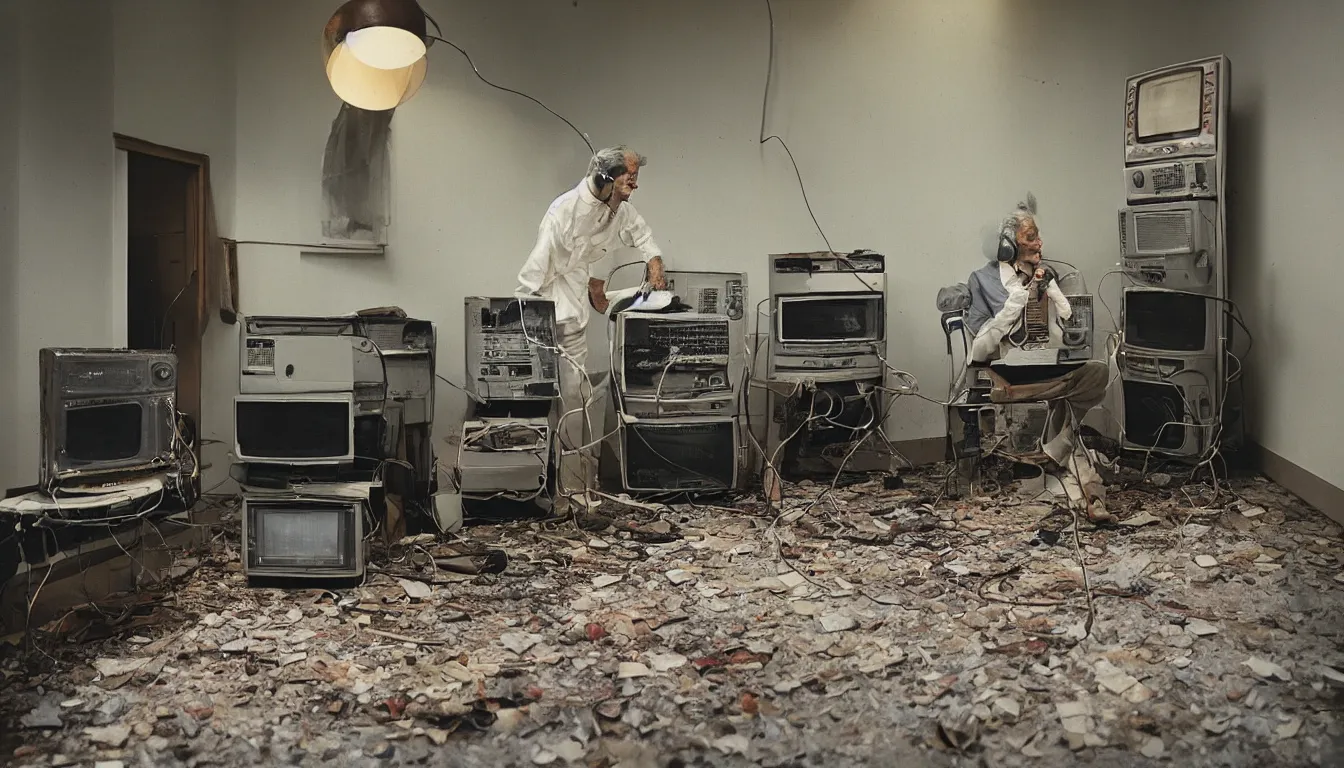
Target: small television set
<point x="295" y="429"/>
<point x="303" y="537"/>
<point x="1176" y="111"/>
<point x="695" y="454"/>
<point x="106" y="411"/>
<point x="1172" y="322"/>
<point x="829" y="318"/>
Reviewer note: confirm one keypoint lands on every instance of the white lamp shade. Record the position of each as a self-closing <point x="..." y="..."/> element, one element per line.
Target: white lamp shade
<point x="372" y="88"/>
<point x="385" y="47"/>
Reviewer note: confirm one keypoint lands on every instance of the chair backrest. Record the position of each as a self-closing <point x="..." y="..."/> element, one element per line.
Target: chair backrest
<point x="955" y="322"/>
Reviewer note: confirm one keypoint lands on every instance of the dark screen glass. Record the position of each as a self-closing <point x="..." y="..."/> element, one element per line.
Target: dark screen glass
<point x="1154" y="415"/>
<point x="103" y="432"/>
<point x="690" y="456"/>
<point x="838" y="319"/>
<point x="1165" y="320"/>
<point x="283" y="429"/>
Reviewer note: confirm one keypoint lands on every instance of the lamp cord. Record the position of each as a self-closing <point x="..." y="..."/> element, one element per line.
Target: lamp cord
<point x="466" y="55"/>
<point x="765" y="99"/>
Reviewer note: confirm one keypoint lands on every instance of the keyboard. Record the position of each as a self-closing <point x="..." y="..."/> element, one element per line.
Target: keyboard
<point x="1039" y="356"/>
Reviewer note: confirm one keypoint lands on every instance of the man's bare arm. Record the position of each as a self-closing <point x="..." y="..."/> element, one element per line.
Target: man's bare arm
<point x="655" y="273"/>
<point x="597" y="294"/>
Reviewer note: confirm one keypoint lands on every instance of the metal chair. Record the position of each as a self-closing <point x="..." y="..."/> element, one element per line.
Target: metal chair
<point x="977" y="427"/>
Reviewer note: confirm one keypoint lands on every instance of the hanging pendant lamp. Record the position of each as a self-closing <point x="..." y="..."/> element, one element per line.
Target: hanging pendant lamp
<point x="375" y="52"/>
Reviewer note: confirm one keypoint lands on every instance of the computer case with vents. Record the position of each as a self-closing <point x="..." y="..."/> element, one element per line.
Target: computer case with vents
<point x="511" y="349"/>
<point x="711" y="293"/>
<point x="1015" y="428"/>
<point x="1172" y="405"/>
<point x="1173" y="245"/>
<point x="509" y="457"/>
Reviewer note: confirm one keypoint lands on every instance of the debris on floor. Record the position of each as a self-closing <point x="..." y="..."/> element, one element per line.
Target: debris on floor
<point x="871" y="624"/>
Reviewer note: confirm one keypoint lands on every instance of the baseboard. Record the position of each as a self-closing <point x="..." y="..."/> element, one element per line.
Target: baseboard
<point x="1319" y="493"/>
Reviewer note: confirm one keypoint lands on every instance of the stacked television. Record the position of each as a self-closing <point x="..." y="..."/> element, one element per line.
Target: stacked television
<point x="332" y="429"/>
<point x="1174" y="349"/>
<point x="677" y="380"/>
<point x="827" y="364"/>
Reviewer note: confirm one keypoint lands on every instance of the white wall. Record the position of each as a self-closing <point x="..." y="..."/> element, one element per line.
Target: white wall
<point x="9" y="212"/>
<point x="175" y="84"/>
<point x="1285" y="171"/>
<point x="915" y="124"/>
<point x="170" y="65"/>
<point x="59" y="268"/>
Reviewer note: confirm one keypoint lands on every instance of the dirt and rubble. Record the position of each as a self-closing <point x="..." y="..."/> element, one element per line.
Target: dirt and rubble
<point x="873" y="624"/>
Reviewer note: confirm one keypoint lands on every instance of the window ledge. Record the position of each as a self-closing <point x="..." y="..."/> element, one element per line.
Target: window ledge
<point x="344" y="248"/>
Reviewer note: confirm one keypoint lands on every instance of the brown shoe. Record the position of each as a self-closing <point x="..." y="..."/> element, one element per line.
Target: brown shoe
<point x="1096" y="504"/>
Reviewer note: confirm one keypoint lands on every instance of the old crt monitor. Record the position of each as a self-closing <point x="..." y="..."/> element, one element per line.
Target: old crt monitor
<point x="303" y="537"/>
<point x="106" y="410"/>
<point x="1175" y="130"/>
<point x="314" y="428"/>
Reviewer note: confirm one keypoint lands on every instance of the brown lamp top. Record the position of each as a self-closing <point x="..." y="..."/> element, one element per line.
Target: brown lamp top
<point x="362" y="14"/>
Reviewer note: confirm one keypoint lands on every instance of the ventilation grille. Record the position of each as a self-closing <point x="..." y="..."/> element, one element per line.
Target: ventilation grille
<point x="1123" y="239"/>
<point x="1162" y="232"/>
<point x="1081" y="318"/>
<point x="385" y="335"/>
<point x="709" y="301"/>
<point x="1169" y="178"/>
<point x="261" y="358"/>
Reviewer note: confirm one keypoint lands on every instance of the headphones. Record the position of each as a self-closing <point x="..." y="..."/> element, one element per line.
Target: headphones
<point x="1007" y="252"/>
<point x="602" y="179"/>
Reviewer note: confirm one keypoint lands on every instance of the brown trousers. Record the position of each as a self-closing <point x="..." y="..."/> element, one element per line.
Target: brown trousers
<point x="1070" y="396"/>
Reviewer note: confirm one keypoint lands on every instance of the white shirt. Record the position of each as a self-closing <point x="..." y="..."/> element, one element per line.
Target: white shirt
<point x="989" y="342"/>
<point x="577" y="232"/>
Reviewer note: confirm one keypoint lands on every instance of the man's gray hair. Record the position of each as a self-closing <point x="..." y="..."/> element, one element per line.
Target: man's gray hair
<point x="611" y="160"/>
<point x="1024" y="212"/>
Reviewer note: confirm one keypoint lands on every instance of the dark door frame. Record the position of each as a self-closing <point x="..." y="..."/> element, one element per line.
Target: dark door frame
<point x="198" y="187"/>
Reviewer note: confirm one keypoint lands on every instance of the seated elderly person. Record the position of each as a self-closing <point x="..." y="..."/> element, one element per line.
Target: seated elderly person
<point x="1006" y="295"/>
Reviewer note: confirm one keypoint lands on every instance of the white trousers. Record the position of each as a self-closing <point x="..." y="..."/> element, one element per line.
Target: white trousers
<point x="573" y="423"/>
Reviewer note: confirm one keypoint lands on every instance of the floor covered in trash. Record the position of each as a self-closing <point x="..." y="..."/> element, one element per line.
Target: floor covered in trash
<point x="868" y="625"/>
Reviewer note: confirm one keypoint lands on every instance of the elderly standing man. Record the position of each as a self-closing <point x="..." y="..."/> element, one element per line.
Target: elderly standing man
<point x="577" y="234"/>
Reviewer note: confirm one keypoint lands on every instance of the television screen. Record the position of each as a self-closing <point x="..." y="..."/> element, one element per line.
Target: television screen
<point x="830" y="319"/>
<point x="108" y="432"/>
<point x="1155" y="415"/>
<point x="681" y="456"/>
<point x="1165" y="320"/>
<point x="293" y="429"/>
<point x="1170" y="105"/>
<point x="301" y="535"/>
